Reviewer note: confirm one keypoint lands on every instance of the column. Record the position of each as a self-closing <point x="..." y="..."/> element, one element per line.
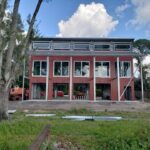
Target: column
<point x="47" y="78"/>
<point x="70" y="78"/>
<point x="118" y="78"/>
<point x="94" y="79"/>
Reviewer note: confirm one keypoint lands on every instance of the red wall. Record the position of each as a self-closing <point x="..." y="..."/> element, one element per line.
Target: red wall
<point x="112" y="80"/>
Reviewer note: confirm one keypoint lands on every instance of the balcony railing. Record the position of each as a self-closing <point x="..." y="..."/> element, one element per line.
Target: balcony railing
<point x="81" y="46"/>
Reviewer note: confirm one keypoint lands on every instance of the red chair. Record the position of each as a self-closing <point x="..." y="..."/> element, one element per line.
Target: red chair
<point x="60" y="93"/>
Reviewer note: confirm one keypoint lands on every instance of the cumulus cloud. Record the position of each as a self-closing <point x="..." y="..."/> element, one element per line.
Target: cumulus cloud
<point x="142" y="12"/>
<point x="91" y="20"/>
<point x="120" y="9"/>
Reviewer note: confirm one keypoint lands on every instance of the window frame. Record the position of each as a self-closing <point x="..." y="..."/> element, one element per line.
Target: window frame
<point x="81" y="69"/>
<point x="105" y="50"/>
<point x="40" y="49"/>
<point x="109" y="69"/>
<point x="61" y="68"/>
<point x="40" y="68"/>
<point x="122" y="62"/>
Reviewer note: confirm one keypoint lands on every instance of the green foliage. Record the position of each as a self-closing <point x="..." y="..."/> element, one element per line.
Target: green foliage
<point x="128" y="134"/>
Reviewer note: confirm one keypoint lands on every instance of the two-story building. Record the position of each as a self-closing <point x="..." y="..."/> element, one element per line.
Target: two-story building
<point x="81" y="69"/>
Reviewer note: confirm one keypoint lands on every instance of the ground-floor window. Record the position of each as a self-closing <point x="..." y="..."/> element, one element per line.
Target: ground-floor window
<point x="39" y="91"/>
<point x="61" y="91"/>
<point x="103" y="92"/>
<point x="81" y="91"/>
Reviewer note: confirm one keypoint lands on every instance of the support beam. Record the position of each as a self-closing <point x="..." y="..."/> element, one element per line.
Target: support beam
<point x="70" y="79"/>
<point x="142" y="87"/>
<point x="23" y="78"/>
<point x="118" y="78"/>
<point x="47" y="78"/>
<point x="94" y="79"/>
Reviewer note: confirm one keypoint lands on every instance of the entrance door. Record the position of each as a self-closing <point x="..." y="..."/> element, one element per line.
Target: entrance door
<point x="127" y="94"/>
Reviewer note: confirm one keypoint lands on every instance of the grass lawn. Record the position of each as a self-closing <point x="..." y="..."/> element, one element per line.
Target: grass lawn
<point x="132" y="133"/>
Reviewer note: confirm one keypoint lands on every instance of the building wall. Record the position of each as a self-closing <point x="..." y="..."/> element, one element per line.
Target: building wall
<point x="112" y="80"/>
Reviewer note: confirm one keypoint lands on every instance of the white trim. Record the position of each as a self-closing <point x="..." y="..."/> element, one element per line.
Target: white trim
<point x="40" y="68"/>
<point x="94" y="79"/>
<point x="81" y="69"/>
<point x="118" y="77"/>
<point x="109" y="69"/>
<point x="47" y="79"/>
<point x="70" y="79"/>
<point x="60" y="68"/>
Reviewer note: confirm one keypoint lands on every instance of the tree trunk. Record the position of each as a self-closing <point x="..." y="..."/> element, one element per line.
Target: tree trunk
<point x="12" y="41"/>
<point x="3" y="102"/>
<point x="26" y="42"/>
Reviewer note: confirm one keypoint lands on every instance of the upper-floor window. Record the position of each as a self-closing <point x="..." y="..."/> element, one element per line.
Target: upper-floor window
<point x="39" y="68"/>
<point x="102" y="69"/>
<point x="122" y="47"/>
<point x="101" y="47"/>
<point x="125" y="69"/>
<point x="81" y="46"/>
<point x="61" y="46"/>
<point x="82" y="69"/>
<point x="61" y="68"/>
<point x="41" y="45"/>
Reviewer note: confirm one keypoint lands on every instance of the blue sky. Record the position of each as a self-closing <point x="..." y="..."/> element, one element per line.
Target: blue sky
<point x="99" y="18"/>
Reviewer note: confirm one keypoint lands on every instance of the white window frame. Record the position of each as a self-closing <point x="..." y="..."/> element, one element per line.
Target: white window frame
<point x="122" y="62"/>
<point x="103" y="43"/>
<point x="61" y="68"/>
<point x="40" y="68"/>
<point x="109" y="69"/>
<point x="40" y="48"/>
<point x="81" y="69"/>
<point x="122" y="44"/>
<point x="81" y="43"/>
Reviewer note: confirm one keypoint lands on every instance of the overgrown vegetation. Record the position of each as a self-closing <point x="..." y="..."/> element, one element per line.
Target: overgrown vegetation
<point x="132" y="133"/>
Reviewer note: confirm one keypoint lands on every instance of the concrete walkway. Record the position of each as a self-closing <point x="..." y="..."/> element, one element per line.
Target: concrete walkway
<point x="96" y="106"/>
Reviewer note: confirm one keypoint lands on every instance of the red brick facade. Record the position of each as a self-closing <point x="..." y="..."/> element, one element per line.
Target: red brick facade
<point x="112" y="80"/>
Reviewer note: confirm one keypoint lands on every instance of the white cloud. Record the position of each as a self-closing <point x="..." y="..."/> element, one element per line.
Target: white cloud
<point x="91" y="20"/>
<point x="142" y="14"/>
<point x="120" y="9"/>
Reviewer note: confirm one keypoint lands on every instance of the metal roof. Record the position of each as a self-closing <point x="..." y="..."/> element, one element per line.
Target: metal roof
<point x="83" y="39"/>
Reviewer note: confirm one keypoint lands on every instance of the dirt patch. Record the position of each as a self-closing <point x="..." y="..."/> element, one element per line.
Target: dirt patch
<point x="96" y="106"/>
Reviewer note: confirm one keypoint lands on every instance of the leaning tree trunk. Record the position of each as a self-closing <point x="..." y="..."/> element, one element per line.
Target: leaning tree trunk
<point x="26" y="42"/>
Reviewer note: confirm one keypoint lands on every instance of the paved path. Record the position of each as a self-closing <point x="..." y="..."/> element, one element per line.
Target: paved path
<point x="96" y="106"/>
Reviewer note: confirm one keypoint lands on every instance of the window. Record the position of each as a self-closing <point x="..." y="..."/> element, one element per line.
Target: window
<point x="125" y="69"/>
<point x="82" y="69"/>
<point x="39" y="68"/>
<point x="61" y="68"/>
<point x="41" y="45"/>
<point x="122" y="47"/>
<point x="100" y="47"/>
<point x="81" y="46"/>
<point x="61" y="46"/>
<point x="102" y="69"/>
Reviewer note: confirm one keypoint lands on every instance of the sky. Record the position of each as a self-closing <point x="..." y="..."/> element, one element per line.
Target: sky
<point x="90" y="18"/>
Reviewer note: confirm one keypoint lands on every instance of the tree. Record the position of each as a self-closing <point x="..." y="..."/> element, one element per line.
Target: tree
<point x="7" y="69"/>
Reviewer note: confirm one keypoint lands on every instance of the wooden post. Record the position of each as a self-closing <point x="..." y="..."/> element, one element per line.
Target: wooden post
<point x="43" y="136"/>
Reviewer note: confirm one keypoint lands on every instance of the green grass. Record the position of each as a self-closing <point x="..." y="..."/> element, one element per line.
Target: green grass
<point x="133" y="133"/>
